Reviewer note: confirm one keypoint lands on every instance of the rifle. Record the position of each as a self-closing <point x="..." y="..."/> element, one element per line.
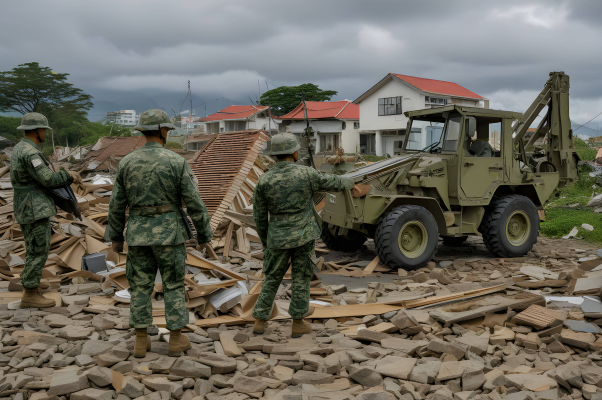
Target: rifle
<point x="186" y="222"/>
<point x="309" y="132"/>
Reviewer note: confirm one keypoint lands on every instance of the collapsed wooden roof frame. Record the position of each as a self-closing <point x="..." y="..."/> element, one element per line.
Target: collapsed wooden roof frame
<point x="223" y="167"/>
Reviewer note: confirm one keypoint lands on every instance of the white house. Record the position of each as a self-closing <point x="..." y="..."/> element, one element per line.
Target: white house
<point x="124" y="117"/>
<point x="383" y="125"/>
<point x="240" y="118"/>
<point x="335" y="124"/>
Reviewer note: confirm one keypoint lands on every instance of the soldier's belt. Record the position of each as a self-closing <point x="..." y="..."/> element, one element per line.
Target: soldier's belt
<point x="288" y="216"/>
<point x="26" y="189"/>
<point x="145" y="211"/>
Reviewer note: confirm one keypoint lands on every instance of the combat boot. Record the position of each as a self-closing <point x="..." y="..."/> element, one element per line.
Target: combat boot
<point x="300" y="328"/>
<point x="32" y="298"/>
<point x="259" y="326"/>
<point x="177" y="343"/>
<point x="142" y="343"/>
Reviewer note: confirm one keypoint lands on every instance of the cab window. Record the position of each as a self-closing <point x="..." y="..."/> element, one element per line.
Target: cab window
<point x="452" y="132"/>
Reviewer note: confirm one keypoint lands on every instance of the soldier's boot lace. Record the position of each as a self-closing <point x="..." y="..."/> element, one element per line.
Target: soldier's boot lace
<point x="142" y="343"/>
<point x="178" y="343"/>
<point x="259" y="326"/>
<point x="300" y="328"/>
<point x="32" y="298"/>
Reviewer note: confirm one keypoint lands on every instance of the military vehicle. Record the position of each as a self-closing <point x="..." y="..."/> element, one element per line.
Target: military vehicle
<point x="481" y="172"/>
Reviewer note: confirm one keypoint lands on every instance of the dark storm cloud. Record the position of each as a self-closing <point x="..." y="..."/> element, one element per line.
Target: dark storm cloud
<point x="138" y="54"/>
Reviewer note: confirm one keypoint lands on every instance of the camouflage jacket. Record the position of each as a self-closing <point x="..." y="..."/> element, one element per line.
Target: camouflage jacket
<point x="283" y="206"/>
<point x="30" y="175"/>
<point x="150" y="177"/>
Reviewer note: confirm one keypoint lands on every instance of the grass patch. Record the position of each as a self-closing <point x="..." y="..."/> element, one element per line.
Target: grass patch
<point x="173" y="145"/>
<point x="587" y="154"/>
<point x="566" y="209"/>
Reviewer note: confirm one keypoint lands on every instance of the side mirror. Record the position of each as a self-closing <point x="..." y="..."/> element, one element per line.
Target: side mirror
<point x="471" y="126"/>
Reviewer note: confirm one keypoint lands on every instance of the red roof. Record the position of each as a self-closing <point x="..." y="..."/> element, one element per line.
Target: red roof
<point x="343" y="109"/>
<point x="441" y="87"/>
<point x="234" y="112"/>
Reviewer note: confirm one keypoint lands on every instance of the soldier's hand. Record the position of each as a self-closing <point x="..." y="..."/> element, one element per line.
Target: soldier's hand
<point x="117" y="247"/>
<point x="75" y="176"/>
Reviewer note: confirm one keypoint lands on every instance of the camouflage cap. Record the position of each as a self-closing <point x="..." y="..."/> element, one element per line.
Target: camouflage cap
<point x="284" y="143"/>
<point x="33" y="121"/>
<point x="151" y="119"/>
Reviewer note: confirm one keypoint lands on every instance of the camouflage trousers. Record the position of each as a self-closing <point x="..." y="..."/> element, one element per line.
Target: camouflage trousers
<point x="37" y="245"/>
<point x="275" y="265"/>
<point x="141" y="270"/>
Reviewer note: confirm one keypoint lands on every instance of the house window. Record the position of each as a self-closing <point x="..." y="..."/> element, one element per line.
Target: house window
<point x="356" y="125"/>
<point x="328" y="143"/>
<point x="344" y="126"/>
<point x="389" y="106"/>
<point x="437" y="101"/>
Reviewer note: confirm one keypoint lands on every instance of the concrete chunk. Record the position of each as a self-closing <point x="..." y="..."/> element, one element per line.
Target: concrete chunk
<point x="67" y="382"/>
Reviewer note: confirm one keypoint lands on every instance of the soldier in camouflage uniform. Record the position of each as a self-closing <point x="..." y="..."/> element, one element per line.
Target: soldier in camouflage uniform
<point x="153" y="181"/>
<point x="283" y="210"/>
<point x="30" y="175"/>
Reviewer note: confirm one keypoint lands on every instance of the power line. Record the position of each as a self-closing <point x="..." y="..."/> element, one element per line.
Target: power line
<point x="589" y="121"/>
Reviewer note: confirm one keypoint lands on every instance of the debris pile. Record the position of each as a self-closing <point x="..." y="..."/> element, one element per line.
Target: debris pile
<point x="467" y="326"/>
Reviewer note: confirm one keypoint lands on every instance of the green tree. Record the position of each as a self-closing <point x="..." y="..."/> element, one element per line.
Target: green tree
<point x="30" y="88"/>
<point x="8" y="128"/>
<point x="284" y="99"/>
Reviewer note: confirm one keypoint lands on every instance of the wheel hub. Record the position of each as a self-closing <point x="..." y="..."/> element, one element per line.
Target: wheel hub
<point x="518" y="228"/>
<point x="412" y="239"/>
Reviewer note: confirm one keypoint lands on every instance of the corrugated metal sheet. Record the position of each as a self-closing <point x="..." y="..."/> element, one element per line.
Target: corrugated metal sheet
<point x="223" y="166"/>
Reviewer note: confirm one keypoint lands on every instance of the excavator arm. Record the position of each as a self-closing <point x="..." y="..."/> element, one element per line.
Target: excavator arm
<point x="555" y="128"/>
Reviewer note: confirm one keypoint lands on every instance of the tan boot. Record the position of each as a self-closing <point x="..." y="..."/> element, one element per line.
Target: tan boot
<point x="259" y="326"/>
<point x="142" y="343"/>
<point x="33" y="298"/>
<point x="300" y="328"/>
<point x="177" y="343"/>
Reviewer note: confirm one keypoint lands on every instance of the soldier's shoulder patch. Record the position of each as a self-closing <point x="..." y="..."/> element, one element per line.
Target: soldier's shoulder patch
<point x="36" y="162"/>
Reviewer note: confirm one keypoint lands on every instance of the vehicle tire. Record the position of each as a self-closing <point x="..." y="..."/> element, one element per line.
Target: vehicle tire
<point x="407" y="237"/>
<point x="510" y="226"/>
<point x="350" y="242"/>
<point x="452" y="241"/>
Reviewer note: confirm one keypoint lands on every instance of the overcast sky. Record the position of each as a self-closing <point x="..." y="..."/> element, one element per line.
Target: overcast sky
<point x="140" y="54"/>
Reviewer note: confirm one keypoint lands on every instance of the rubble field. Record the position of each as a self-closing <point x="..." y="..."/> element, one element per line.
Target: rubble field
<point x="468" y="326"/>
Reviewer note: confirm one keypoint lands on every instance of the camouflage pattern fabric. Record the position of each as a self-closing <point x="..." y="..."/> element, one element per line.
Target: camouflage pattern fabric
<point x="275" y="265"/>
<point x="37" y="246"/>
<point x="150" y="177"/>
<point x="282" y="203"/>
<point x="29" y="169"/>
<point x="141" y="270"/>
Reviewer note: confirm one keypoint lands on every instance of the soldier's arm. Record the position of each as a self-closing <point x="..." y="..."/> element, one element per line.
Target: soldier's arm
<point x="322" y="182"/>
<point x="117" y="206"/>
<point x="38" y="169"/>
<point x="195" y="206"/>
<point x="260" y="215"/>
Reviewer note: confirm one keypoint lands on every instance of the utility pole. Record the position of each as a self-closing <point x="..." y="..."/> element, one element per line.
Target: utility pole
<point x="269" y="118"/>
<point x="190" y="105"/>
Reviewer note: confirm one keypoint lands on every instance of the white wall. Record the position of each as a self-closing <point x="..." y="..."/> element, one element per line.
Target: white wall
<point x="369" y="118"/>
<point x="349" y="138"/>
<point x="263" y="123"/>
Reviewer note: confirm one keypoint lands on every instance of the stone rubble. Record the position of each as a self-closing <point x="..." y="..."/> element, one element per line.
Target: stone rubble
<point x="80" y="351"/>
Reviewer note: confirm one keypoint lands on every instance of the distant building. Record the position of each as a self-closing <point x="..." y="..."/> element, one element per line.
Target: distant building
<point x="383" y="124"/>
<point x="124" y="117"/>
<point x="239" y="118"/>
<point x="335" y="124"/>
